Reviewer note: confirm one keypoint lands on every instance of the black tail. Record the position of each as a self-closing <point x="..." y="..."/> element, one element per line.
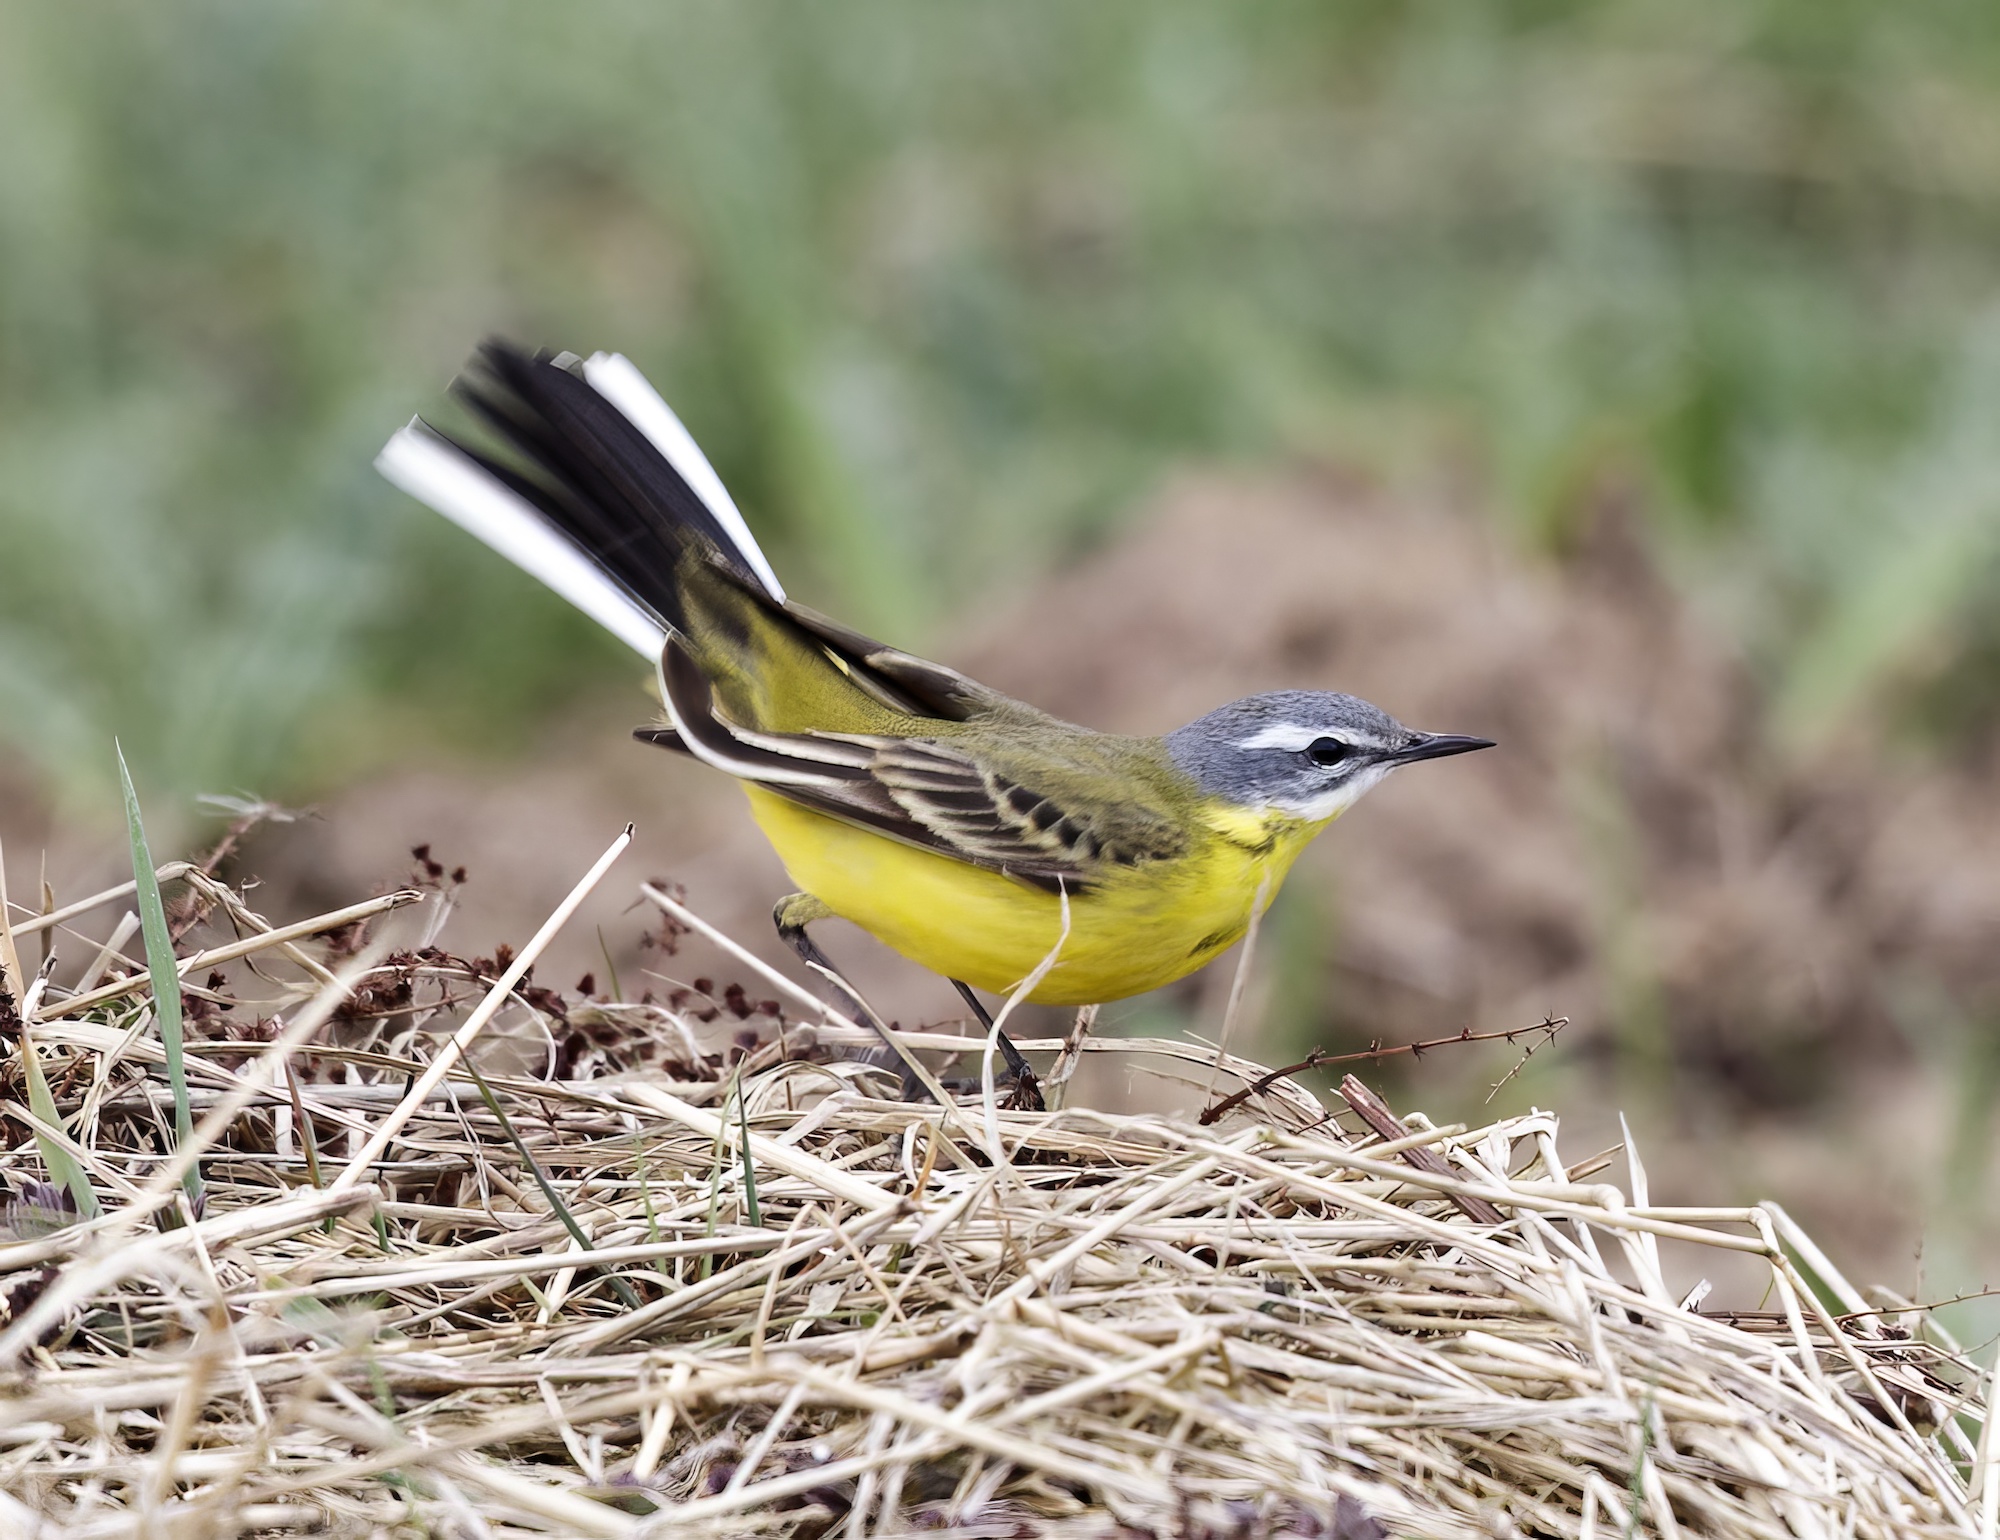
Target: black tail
<point x="594" y="475"/>
<point x="600" y="494"/>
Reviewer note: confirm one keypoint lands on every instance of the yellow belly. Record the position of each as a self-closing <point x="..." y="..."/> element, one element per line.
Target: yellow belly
<point x="1142" y="927"/>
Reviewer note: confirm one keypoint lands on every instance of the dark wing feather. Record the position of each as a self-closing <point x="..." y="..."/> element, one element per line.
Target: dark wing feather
<point x="999" y="819"/>
<point x="933" y="793"/>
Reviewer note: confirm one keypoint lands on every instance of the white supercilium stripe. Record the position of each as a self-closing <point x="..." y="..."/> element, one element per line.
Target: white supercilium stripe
<point x="433" y="472"/>
<point x="617" y="379"/>
<point x="1285" y="735"/>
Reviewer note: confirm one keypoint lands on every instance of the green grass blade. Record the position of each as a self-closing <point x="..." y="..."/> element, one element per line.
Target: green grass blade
<point x="619" y="1285"/>
<point x="166" y="976"/>
<point x="750" y="1207"/>
<point x="645" y="1181"/>
<point x="610" y="967"/>
<point x="60" y="1164"/>
<point x="715" y="1187"/>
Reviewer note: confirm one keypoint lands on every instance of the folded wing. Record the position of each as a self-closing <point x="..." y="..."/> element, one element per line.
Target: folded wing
<point x="937" y="793"/>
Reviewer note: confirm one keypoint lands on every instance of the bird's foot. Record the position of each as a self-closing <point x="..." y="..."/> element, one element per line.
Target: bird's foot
<point x="1023" y="1090"/>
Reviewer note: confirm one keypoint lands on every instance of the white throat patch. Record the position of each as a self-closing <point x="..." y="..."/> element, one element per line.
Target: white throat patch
<point x="1336" y="800"/>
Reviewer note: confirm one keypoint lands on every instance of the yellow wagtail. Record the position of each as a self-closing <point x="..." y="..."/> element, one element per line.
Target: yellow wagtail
<point x="945" y="818"/>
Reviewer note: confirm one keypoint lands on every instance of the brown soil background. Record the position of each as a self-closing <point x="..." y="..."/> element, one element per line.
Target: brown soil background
<point x="1777" y="967"/>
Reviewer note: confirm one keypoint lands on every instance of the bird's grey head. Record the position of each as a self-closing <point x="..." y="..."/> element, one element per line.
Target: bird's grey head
<point x="1305" y="752"/>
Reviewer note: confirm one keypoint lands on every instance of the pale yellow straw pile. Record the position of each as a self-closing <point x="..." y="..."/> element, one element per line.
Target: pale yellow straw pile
<point x="801" y="1307"/>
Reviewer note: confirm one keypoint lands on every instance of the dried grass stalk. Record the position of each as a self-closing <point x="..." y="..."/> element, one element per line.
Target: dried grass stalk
<point x="1121" y="1326"/>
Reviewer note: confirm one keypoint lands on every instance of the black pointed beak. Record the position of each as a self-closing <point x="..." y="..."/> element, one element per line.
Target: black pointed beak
<point x="1437" y="746"/>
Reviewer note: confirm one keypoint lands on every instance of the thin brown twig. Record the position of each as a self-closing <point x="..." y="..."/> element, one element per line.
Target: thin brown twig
<point x="1219" y="1110"/>
<point x="1319" y="1056"/>
<point x="1549" y="1024"/>
<point x="1924" y="1308"/>
<point x="196" y="905"/>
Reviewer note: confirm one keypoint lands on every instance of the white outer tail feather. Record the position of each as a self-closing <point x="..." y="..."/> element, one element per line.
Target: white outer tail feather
<point x="617" y="379"/>
<point x="434" y="472"/>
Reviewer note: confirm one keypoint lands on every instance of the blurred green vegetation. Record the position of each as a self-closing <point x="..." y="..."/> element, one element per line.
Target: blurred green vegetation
<point x="942" y="289"/>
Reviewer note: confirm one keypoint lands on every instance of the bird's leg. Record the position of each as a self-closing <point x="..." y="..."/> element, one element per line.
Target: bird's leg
<point x="1027" y="1093"/>
<point x="792" y="915"/>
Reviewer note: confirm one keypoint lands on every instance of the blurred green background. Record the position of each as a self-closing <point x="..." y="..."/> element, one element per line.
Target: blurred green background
<point x="943" y="289"/>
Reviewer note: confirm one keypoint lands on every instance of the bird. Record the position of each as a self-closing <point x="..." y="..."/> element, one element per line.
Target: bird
<point x="988" y="841"/>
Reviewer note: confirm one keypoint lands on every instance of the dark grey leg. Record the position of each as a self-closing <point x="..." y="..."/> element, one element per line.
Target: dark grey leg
<point x="792" y="915"/>
<point x="1018" y="1067"/>
<point x="798" y="910"/>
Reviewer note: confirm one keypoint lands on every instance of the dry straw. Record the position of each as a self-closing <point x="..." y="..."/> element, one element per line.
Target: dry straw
<point x="691" y="1283"/>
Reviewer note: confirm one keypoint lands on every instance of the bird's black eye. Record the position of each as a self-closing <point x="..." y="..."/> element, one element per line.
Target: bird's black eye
<point x="1328" y="751"/>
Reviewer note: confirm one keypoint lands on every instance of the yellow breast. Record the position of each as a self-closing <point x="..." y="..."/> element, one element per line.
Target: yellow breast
<point x="1140" y="927"/>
